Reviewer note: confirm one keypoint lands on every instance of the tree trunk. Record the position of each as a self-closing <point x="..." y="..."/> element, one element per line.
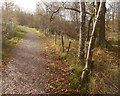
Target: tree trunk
<point x="86" y="72"/>
<point x="100" y="41"/>
<point x="55" y="38"/>
<point x="62" y="43"/>
<point x="82" y="32"/>
<point x="69" y="47"/>
<point x="113" y="17"/>
<point x="89" y="27"/>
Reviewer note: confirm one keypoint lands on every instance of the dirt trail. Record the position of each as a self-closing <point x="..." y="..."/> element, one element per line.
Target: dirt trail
<point x="25" y="73"/>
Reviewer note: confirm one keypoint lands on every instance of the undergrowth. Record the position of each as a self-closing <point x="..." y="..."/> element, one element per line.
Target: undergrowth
<point x="75" y="67"/>
<point x="9" y="41"/>
<point x="73" y="62"/>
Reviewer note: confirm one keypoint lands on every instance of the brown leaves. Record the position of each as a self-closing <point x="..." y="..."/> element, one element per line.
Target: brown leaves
<point x="58" y="74"/>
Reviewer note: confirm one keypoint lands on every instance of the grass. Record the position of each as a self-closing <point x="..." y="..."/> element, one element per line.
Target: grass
<point x="73" y="63"/>
<point x="104" y="62"/>
<point x="105" y="71"/>
<point x="10" y="43"/>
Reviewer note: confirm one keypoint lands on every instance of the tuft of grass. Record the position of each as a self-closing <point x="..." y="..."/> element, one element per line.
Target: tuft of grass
<point x="113" y="42"/>
<point x="92" y="85"/>
<point x="74" y="81"/>
<point x="63" y="56"/>
<point x="75" y="69"/>
<point x="11" y="42"/>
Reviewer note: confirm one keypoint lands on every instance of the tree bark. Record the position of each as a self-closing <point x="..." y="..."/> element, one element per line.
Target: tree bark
<point x="100" y="41"/>
<point x="86" y="72"/>
<point x="81" y="52"/>
<point x="89" y="27"/>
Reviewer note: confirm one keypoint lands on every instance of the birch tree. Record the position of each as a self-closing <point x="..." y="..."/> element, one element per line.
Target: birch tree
<point x="86" y="72"/>
<point x="81" y="52"/>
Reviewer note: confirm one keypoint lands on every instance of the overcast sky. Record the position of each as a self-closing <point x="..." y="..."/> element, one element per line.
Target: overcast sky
<point x="29" y="5"/>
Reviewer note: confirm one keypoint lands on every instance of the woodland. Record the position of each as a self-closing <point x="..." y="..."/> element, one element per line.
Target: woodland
<point x="61" y="48"/>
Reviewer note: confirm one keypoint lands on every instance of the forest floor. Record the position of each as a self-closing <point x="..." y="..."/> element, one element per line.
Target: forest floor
<point x="35" y="66"/>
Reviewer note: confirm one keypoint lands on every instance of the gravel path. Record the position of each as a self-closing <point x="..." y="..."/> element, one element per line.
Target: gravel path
<point x="24" y="73"/>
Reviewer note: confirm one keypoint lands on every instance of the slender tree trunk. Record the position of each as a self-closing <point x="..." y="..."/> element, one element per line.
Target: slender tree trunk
<point x="82" y="32"/>
<point x="89" y="27"/>
<point x="77" y="17"/>
<point x="55" y="38"/>
<point x="113" y="17"/>
<point x="62" y="43"/>
<point x="86" y="72"/>
<point x="69" y="47"/>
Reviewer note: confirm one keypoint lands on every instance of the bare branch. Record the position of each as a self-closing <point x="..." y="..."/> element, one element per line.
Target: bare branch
<point x="74" y="9"/>
<point x="51" y="17"/>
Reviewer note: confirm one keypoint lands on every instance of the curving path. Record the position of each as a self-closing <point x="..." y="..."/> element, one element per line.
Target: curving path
<point x="25" y="73"/>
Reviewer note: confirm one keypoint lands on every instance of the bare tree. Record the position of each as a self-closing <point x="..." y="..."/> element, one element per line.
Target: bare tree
<point x="86" y="72"/>
<point x="81" y="52"/>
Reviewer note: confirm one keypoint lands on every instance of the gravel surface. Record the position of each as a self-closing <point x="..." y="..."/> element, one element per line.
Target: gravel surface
<point x="24" y="73"/>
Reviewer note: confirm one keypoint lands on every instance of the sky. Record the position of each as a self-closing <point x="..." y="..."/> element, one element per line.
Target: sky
<point x="29" y="5"/>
